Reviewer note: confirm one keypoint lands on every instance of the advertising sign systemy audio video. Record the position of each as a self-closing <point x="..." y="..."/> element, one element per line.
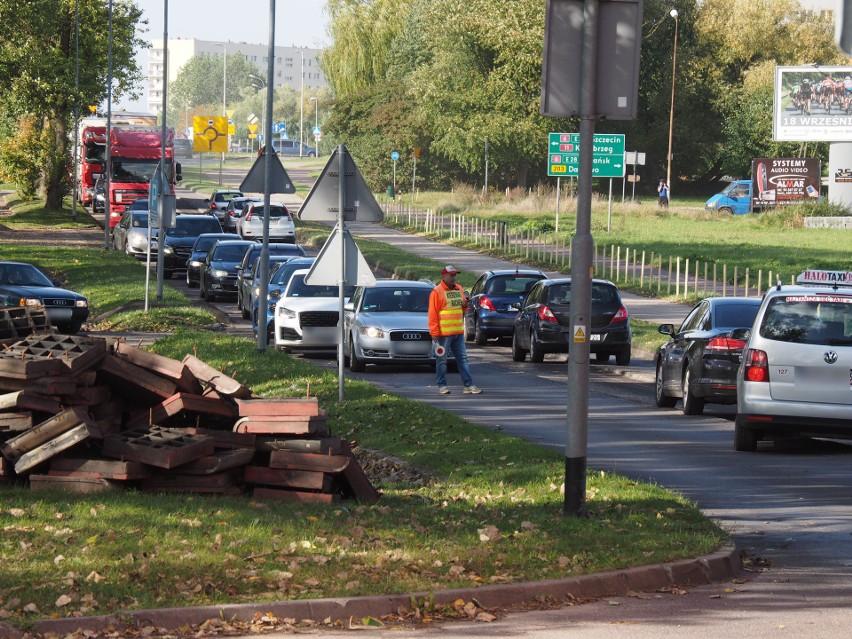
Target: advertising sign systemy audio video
<point x="779" y="181"/>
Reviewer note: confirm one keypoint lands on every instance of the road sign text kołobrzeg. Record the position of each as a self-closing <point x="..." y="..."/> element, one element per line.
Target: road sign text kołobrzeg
<point x="563" y="155"/>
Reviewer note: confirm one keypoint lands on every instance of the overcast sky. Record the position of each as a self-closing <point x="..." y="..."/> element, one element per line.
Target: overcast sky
<point x="300" y="23"/>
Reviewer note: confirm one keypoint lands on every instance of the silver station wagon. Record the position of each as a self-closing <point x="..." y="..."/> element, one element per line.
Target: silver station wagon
<point x="795" y="378"/>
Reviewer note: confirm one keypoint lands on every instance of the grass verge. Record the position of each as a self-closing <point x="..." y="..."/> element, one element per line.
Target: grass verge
<point x="483" y="508"/>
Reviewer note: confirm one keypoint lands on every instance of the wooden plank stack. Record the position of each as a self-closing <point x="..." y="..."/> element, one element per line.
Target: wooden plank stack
<point x="89" y="414"/>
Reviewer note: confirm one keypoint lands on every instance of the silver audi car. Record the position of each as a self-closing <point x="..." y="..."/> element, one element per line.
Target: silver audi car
<point x="795" y="378"/>
<point x="388" y="323"/>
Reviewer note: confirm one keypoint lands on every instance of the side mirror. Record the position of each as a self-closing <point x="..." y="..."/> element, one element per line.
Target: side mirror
<point x="666" y="329"/>
<point x="349" y="307"/>
<point x="516" y="305"/>
<point x="742" y="334"/>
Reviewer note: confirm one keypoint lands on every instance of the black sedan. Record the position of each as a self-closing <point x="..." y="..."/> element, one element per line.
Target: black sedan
<point x="22" y="284"/>
<point x="219" y="273"/>
<point x="493" y="300"/>
<point x="543" y="324"/>
<point x="199" y="251"/>
<point x="699" y="362"/>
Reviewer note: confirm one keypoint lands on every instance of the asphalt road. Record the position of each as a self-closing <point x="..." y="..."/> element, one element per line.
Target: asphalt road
<point x="789" y="506"/>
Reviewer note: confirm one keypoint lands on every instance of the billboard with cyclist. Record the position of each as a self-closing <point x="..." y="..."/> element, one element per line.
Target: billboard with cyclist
<point x="813" y="103"/>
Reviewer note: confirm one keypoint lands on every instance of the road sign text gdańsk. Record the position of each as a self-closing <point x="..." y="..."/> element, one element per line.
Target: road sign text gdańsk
<point x="563" y="155"/>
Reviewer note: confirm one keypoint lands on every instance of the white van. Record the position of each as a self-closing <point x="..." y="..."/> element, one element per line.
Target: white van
<point x="291" y="147"/>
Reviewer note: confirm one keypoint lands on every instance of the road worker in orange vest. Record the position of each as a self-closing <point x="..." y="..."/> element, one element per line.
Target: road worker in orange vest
<point x="447" y="304"/>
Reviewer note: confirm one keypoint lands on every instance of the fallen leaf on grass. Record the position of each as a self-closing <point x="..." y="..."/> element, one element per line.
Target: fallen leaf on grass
<point x="63" y="600"/>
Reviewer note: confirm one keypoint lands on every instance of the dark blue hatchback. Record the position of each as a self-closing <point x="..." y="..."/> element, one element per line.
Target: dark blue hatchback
<point x="493" y="303"/>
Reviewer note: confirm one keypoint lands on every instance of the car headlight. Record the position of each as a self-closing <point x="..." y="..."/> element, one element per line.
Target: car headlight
<point x="168" y="250"/>
<point x="371" y="331"/>
<point x="30" y="301"/>
<point x="195" y="263"/>
<point x="256" y="291"/>
<point x="283" y="311"/>
<point x="81" y="303"/>
<point x="218" y="273"/>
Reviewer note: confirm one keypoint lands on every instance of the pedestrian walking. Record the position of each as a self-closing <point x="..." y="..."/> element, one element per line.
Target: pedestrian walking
<point x="447" y="304"/>
<point x="663" y="190"/>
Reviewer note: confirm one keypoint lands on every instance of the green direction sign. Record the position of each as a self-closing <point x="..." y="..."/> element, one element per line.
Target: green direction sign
<point x="563" y="155"/>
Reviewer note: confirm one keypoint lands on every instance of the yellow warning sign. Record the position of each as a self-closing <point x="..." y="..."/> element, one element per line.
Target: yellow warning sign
<point x="211" y="134"/>
<point x="579" y="334"/>
<point x="230" y="113"/>
<point x="232" y="129"/>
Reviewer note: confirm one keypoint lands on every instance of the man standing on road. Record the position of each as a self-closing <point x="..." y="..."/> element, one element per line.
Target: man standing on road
<point x="447" y="304"/>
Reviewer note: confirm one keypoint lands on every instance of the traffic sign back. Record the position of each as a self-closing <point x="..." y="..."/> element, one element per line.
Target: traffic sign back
<point x="563" y="155"/>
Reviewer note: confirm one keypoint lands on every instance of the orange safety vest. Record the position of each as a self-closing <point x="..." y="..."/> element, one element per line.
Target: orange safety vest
<point x="446" y="311"/>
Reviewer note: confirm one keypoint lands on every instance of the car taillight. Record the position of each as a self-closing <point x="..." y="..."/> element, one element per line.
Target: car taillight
<point x="213" y="205"/>
<point x="756" y="366"/>
<point x="486" y="303"/>
<point x="620" y="316"/>
<point x="545" y="314"/>
<point x="725" y="344"/>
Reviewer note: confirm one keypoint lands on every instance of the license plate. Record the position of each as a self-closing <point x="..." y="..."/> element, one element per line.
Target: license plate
<point x="595" y="337"/>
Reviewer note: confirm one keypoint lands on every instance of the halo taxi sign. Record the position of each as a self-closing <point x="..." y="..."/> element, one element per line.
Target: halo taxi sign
<point x="563" y="155"/>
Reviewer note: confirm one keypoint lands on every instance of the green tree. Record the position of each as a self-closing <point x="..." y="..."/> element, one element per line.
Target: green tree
<point x="37" y="72"/>
<point x="200" y="81"/>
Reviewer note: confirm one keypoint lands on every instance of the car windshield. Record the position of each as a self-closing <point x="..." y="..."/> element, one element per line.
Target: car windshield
<point x="601" y="294"/>
<point x="298" y="288"/>
<point x="736" y="315"/>
<point x="140" y="220"/>
<point x="225" y="197"/>
<point x="22" y="275"/>
<point x="511" y="284"/>
<point x="809" y="318"/>
<point x="282" y="274"/>
<point x="275" y="212"/>
<point x="396" y="300"/>
<point x="186" y="227"/>
<point x="229" y="252"/>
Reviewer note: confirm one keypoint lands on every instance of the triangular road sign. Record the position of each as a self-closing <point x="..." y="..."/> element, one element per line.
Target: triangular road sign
<point x="323" y="202"/>
<point x="279" y="181"/>
<point x="326" y="270"/>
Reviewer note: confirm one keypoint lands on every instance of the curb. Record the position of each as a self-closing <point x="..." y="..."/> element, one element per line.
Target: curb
<point x="720" y="566"/>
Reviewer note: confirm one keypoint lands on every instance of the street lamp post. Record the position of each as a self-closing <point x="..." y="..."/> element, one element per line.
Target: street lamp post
<point x="673" y="14"/>
<point x="224" y="99"/>
<point x="302" y="106"/>
<point x="316" y="121"/>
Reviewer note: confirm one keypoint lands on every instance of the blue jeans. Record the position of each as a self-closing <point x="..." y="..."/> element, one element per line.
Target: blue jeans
<point x="454" y="343"/>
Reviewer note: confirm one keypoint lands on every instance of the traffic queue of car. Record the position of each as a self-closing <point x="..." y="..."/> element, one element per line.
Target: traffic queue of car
<point x="784" y="360"/>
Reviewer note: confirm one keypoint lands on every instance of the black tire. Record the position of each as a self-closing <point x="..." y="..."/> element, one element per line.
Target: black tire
<point x="661" y="399"/>
<point x="622" y="357"/>
<point x="167" y="274"/>
<point x="207" y="295"/>
<point x="469" y="336"/>
<point x="355" y="364"/>
<point x="727" y="210"/>
<point x="692" y="404"/>
<point x="69" y="329"/>
<point x="518" y="353"/>
<point x="602" y="358"/>
<point x="745" y="438"/>
<point x="479" y="337"/>
<point x="536" y="351"/>
<point x="245" y="313"/>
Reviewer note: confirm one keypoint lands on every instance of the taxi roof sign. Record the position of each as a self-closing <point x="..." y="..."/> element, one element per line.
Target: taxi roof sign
<point x="825" y="278"/>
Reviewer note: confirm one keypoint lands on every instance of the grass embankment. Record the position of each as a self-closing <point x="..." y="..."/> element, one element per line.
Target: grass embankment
<point x="488" y="513"/>
<point x="483" y="508"/>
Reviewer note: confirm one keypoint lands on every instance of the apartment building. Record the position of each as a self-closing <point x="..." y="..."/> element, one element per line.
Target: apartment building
<point x="289" y="63"/>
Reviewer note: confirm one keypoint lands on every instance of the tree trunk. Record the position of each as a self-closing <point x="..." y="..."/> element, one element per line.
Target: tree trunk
<point x="56" y="164"/>
<point x="523" y="174"/>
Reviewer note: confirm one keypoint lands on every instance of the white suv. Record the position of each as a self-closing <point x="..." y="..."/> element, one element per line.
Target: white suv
<point x="281" y="226"/>
<point x="796" y="372"/>
<point x="306" y="316"/>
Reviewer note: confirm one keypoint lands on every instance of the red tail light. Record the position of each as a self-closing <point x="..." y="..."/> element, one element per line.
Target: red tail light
<point x="725" y="344"/>
<point x="213" y="205"/>
<point x="756" y="366"/>
<point x="486" y="303"/>
<point x="545" y="314"/>
<point x="620" y="316"/>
